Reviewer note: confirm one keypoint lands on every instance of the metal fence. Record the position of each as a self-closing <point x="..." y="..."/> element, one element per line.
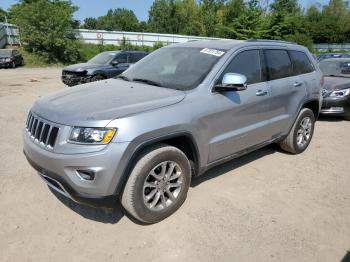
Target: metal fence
<point x="9" y="35"/>
<point x="332" y="47"/>
<point x="134" y="38"/>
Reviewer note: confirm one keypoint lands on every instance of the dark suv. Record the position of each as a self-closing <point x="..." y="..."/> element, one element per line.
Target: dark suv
<point x="105" y="65"/>
<point x="10" y="58"/>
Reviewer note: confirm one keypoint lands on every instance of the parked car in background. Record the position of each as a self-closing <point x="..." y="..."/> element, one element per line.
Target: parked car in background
<point x="10" y="58"/>
<point x="332" y="55"/>
<point x="336" y="92"/>
<point x="183" y="109"/>
<point x="104" y="65"/>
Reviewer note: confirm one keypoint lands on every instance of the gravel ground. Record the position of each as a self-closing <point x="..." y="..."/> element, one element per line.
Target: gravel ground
<point x="266" y="206"/>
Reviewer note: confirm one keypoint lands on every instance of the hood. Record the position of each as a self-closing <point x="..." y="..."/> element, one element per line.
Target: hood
<point x="84" y="66"/>
<point x="97" y="103"/>
<point x="336" y="83"/>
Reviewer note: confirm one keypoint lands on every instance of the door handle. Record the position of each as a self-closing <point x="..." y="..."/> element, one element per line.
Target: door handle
<point x="261" y="93"/>
<point x="296" y="84"/>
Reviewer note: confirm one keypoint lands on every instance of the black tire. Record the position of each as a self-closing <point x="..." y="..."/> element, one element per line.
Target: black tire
<point x="13" y="64"/>
<point x="290" y="143"/>
<point x="132" y="198"/>
<point x="347" y="116"/>
<point x="97" y="78"/>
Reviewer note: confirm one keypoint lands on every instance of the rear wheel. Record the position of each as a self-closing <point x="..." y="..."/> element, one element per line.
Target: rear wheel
<point x="158" y="184"/>
<point x="301" y="133"/>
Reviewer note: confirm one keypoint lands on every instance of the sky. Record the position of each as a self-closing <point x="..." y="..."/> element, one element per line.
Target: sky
<point x="95" y="8"/>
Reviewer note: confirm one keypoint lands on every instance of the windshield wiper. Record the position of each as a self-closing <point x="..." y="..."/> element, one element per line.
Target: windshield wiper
<point x="147" y="81"/>
<point x="125" y="78"/>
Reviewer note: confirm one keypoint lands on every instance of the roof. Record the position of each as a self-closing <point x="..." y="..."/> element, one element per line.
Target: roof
<point x="227" y="44"/>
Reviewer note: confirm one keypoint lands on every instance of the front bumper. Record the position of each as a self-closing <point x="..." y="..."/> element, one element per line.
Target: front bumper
<point x="60" y="172"/>
<point x="337" y="106"/>
<point x="71" y="79"/>
<point x="5" y="64"/>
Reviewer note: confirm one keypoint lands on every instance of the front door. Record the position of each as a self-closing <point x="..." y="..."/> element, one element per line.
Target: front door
<point x="242" y="117"/>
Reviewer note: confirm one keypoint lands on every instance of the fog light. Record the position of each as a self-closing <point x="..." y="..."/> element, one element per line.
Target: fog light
<point x="86" y="174"/>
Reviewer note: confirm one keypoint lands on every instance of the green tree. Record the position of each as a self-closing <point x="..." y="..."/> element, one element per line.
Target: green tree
<point x="90" y="23"/>
<point x="336" y="22"/>
<point x="249" y="23"/>
<point x="159" y="17"/>
<point x="119" y="19"/>
<point x="209" y="17"/>
<point x="3" y="13"/>
<point x="46" y="29"/>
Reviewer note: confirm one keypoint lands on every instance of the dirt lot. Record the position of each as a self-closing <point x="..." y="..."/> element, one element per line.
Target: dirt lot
<point x="266" y="206"/>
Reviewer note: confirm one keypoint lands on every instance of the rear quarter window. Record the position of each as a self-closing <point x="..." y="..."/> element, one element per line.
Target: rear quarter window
<point x="301" y="63"/>
<point x="278" y="64"/>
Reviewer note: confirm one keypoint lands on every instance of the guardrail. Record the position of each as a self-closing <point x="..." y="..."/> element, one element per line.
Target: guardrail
<point x="9" y="35"/>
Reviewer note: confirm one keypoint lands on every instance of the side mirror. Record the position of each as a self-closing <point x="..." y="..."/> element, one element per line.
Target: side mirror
<point x="114" y="63"/>
<point x="232" y="82"/>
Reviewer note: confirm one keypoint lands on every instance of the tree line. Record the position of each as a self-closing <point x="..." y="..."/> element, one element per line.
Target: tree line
<point x="46" y="25"/>
<point x="237" y="19"/>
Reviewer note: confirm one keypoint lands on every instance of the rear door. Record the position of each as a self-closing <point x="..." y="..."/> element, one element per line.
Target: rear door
<point x="287" y="90"/>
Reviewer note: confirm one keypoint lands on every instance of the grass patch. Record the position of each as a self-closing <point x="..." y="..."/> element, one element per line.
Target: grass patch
<point x="34" y="60"/>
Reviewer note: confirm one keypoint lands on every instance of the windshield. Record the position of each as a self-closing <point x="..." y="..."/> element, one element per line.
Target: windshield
<point x="5" y="53"/>
<point x="103" y="58"/>
<point x="335" y="68"/>
<point x="181" y="68"/>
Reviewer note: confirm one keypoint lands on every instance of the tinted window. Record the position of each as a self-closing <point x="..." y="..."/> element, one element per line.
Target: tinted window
<point x="246" y="63"/>
<point x="136" y="57"/>
<point x="278" y="64"/>
<point x="301" y="62"/>
<point x="122" y="58"/>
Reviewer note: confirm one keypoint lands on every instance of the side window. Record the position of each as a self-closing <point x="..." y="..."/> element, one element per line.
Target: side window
<point x="122" y="58"/>
<point x="301" y="63"/>
<point x="135" y="57"/>
<point x="246" y="63"/>
<point x="278" y="64"/>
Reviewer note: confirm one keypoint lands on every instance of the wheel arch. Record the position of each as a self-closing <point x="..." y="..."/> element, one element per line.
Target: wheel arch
<point x="182" y="140"/>
<point x="313" y="105"/>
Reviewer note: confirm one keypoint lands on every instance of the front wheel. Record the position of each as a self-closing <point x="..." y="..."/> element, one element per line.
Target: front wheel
<point x="301" y="133"/>
<point x="158" y="184"/>
<point x="97" y="78"/>
<point x="347" y="116"/>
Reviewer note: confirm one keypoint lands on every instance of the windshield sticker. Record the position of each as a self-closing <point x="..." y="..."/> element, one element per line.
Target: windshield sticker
<point x="214" y="52"/>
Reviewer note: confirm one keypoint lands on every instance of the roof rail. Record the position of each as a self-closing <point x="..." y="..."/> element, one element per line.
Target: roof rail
<point x="269" y="40"/>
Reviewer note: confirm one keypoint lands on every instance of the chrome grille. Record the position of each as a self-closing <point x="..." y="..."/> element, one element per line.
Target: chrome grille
<point x="41" y="131"/>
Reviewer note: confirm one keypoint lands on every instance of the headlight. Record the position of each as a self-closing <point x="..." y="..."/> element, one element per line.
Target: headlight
<point x="92" y="135"/>
<point x="340" y="93"/>
<point x="7" y="59"/>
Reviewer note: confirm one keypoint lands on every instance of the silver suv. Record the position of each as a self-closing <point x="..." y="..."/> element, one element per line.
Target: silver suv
<point x="185" y="108"/>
